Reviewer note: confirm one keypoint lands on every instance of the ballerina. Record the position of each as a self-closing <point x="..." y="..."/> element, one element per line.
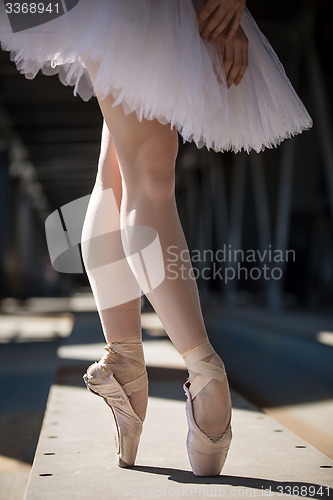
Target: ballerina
<point x="158" y="68"/>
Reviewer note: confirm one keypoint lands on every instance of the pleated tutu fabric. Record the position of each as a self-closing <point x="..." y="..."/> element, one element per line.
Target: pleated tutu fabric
<point x="149" y="55"/>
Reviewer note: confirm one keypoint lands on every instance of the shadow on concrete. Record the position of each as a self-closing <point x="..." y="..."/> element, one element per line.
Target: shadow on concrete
<point x="275" y="370"/>
<point x="264" y="487"/>
<point x="26" y="373"/>
<point x="267" y="368"/>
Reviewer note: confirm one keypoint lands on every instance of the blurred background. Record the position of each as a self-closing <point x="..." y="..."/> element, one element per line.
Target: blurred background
<point x="274" y="330"/>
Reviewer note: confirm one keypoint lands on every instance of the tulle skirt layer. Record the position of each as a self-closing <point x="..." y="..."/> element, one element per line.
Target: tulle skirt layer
<point x="149" y="55"/>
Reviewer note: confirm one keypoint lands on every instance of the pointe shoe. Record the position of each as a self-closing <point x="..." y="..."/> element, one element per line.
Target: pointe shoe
<point x="207" y="457"/>
<point x="100" y="380"/>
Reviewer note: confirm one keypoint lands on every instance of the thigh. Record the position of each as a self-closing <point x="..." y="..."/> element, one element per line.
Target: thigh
<point x="136" y="140"/>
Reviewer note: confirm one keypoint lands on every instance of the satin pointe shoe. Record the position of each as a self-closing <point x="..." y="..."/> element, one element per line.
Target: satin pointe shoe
<point x="100" y="380"/>
<point x="207" y="456"/>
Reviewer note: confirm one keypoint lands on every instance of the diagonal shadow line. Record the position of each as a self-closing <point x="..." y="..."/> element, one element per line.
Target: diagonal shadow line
<point x="161" y="382"/>
<point x="72" y="374"/>
<point x="264" y="486"/>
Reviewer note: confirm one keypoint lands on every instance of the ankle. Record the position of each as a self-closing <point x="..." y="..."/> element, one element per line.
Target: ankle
<point x="125" y="360"/>
<point x="111" y="358"/>
<point x="198" y="360"/>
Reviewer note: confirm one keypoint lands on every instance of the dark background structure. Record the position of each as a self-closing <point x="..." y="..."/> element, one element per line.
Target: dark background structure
<point x="49" y="151"/>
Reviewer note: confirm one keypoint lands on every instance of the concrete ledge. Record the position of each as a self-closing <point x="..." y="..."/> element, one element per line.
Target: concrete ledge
<point x="75" y="455"/>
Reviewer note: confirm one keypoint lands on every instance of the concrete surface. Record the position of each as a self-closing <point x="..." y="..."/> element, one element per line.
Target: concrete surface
<point x="283" y="362"/>
<point x="75" y="457"/>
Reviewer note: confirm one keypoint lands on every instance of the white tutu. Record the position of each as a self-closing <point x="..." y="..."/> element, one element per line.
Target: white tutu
<point x="151" y="58"/>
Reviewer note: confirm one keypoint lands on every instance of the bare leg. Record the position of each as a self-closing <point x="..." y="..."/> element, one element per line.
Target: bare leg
<point x="146" y="153"/>
<point x="122" y="322"/>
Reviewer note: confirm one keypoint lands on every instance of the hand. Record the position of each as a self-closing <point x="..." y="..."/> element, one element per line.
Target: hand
<point x="235" y="56"/>
<point x="218" y="15"/>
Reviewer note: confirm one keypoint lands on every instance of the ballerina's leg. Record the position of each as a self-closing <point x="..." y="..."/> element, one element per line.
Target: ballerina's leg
<point x="147" y="153"/>
<point x="121" y="322"/>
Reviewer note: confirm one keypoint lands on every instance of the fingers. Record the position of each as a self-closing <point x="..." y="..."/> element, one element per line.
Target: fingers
<point x="228" y="60"/>
<point x="244" y="64"/>
<point x="235" y="59"/>
<point x="218" y="14"/>
<point x="223" y="25"/>
<point x="234" y="67"/>
<point x="214" y="33"/>
<point x="234" y="25"/>
<point x="207" y="11"/>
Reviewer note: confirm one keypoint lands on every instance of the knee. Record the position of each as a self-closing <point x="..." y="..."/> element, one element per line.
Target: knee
<point x="158" y="178"/>
<point x="155" y="169"/>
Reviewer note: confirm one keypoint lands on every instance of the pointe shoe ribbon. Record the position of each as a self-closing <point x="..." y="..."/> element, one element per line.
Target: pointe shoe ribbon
<point x="205" y="371"/>
<point x="206" y="457"/>
<point x="100" y="380"/>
